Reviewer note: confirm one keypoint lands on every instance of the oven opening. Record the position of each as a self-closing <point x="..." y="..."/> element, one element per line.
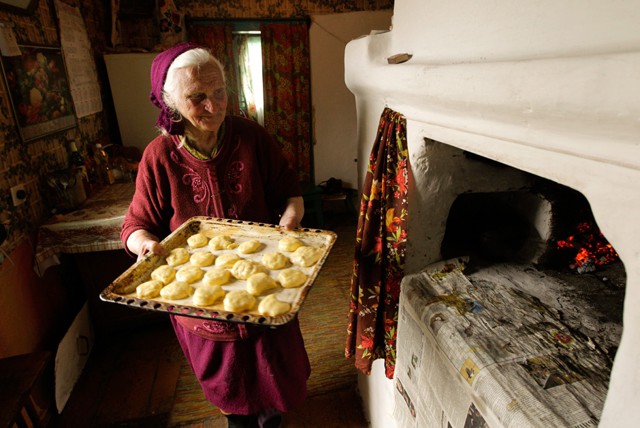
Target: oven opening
<point x="497" y="227"/>
<point x="543" y="238"/>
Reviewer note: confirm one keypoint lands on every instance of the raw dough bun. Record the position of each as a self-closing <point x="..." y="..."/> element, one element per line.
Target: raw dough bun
<point x="202" y="258"/>
<point x="289" y="243"/>
<point x="260" y="282"/>
<point x="177" y="290"/>
<point x="271" y="306"/>
<point x="227" y="260"/>
<point x="292" y="278"/>
<point x="243" y="269"/>
<point x="189" y="274"/>
<point x="274" y="260"/>
<point x="149" y="289"/>
<point x="238" y="301"/>
<point x="207" y="295"/>
<point x="222" y="242"/>
<point x="177" y="256"/>
<point x="164" y="274"/>
<point x="306" y="256"/>
<point x="249" y="247"/>
<point x="197" y="240"/>
<point x="216" y="276"/>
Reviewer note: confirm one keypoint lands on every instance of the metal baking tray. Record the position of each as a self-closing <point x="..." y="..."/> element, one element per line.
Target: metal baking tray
<point x="123" y="289"/>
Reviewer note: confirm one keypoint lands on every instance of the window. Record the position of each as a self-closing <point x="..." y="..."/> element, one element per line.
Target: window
<point x="284" y="86"/>
<point x="250" y="88"/>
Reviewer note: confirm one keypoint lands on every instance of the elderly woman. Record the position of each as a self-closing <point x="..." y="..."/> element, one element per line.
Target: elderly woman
<point x="206" y="163"/>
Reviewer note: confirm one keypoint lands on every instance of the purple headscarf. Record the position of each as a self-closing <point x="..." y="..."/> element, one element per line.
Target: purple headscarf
<point x="159" y="69"/>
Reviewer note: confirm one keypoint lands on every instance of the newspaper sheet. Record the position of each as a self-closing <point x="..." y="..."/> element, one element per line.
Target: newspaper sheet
<point x="481" y="353"/>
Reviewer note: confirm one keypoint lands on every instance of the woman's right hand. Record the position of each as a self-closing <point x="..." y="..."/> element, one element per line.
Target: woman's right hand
<point x="142" y="243"/>
<point x="153" y="247"/>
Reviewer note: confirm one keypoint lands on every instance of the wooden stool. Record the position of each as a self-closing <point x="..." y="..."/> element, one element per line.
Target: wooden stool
<point x="18" y="376"/>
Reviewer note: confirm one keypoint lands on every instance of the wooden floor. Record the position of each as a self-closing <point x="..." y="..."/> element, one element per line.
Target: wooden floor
<point x="139" y="378"/>
<point x="130" y="381"/>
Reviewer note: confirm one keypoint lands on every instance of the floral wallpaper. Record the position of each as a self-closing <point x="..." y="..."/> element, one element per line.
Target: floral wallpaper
<point x="275" y="8"/>
<point x="28" y="163"/>
<point x="140" y="33"/>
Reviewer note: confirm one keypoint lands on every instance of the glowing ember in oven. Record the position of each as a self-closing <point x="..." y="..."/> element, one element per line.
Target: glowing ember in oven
<point x="592" y="248"/>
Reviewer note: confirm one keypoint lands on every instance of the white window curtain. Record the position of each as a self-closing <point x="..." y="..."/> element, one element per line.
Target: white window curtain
<point x="250" y="73"/>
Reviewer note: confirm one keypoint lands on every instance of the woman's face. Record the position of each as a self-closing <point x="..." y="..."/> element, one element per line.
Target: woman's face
<point x="202" y="97"/>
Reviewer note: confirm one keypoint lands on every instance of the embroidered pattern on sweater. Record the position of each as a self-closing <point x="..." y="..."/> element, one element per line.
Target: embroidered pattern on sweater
<point x="218" y="210"/>
<point x="233" y="177"/>
<point x="215" y="327"/>
<point x="201" y="190"/>
<point x="233" y="185"/>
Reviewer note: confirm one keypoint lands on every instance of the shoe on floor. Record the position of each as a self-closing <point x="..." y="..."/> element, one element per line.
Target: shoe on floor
<point x="270" y="419"/>
<point x="242" y="421"/>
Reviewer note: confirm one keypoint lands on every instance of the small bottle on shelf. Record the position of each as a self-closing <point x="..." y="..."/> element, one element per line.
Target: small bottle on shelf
<point x="75" y="158"/>
<point x="76" y="192"/>
<point x="77" y="162"/>
<point x="104" y="168"/>
<point x="91" y="167"/>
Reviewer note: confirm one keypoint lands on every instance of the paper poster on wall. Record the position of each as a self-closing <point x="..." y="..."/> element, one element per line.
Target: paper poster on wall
<point x="8" y="43"/>
<point x="81" y="67"/>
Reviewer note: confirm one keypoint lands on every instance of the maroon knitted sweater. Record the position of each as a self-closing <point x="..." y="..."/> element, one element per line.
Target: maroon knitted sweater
<point x="248" y="179"/>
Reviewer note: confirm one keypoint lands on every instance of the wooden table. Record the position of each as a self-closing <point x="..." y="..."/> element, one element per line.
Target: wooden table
<point x="88" y="240"/>
<point x="94" y="227"/>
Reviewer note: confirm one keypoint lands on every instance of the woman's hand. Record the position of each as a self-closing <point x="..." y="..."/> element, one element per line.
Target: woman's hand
<point x="293" y="213"/>
<point x="142" y="243"/>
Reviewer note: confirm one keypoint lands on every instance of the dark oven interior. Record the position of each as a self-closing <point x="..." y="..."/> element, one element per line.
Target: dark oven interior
<point x="544" y="237"/>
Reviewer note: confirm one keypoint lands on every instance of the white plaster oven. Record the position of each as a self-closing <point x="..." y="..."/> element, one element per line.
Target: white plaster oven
<point x="550" y="88"/>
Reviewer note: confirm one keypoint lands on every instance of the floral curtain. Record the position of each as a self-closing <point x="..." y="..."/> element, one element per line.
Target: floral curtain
<point x="287" y="88"/>
<point x="380" y="249"/>
<point x="219" y="39"/>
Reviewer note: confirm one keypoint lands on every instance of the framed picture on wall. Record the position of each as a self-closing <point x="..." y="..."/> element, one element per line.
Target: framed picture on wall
<point x="39" y="91"/>
<point x="24" y="7"/>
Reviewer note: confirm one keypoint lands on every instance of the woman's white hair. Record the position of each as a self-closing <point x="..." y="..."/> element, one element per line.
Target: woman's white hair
<point x="192" y="58"/>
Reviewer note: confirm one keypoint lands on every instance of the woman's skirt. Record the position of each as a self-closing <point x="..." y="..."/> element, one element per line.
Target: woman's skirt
<point x="266" y="370"/>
